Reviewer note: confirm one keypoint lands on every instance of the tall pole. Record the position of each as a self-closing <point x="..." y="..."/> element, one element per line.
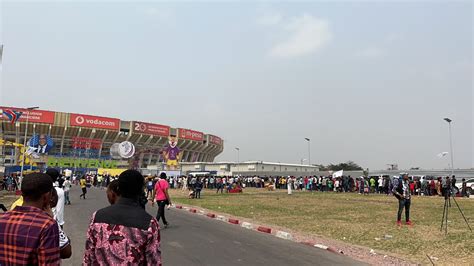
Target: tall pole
<point x="309" y="150"/>
<point x="24" y="140"/>
<point x="238" y="159"/>
<point x="451" y="148"/>
<point x="450" y="144"/>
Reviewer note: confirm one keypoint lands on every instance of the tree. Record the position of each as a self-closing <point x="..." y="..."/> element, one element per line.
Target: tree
<point x="347" y="166"/>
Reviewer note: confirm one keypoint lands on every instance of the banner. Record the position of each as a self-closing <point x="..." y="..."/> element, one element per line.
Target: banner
<point x="80" y="163"/>
<point x="94" y="121"/>
<point x="190" y="134"/>
<point x="215" y="140"/>
<point x="40" y="144"/>
<point x="86" y="143"/>
<point x="34" y="116"/>
<point x="152" y="129"/>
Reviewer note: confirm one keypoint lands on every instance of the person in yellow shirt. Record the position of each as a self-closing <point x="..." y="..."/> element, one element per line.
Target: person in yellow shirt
<point x="83" y="186"/>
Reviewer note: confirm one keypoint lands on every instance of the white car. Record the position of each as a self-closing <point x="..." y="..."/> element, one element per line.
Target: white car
<point x="469" y="185"/>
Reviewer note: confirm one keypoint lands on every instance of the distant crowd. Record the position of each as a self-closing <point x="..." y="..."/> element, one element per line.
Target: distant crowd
<point x="343" y="184"/>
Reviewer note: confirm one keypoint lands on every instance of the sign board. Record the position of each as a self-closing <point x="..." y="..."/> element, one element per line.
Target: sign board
<point x="94" y="121"/>
<point x="190" y="134"/>
<point x="152" y="129"/>
<point x="215" y="140"/>
<point x="34" y="116"/>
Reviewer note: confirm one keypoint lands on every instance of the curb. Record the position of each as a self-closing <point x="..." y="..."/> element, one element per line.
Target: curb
<point x="262" y="229"/>
<point x="233" y="221"/>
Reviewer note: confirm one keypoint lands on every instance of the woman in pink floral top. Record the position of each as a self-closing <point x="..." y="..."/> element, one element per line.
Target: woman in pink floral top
<point x="124" y="233"/>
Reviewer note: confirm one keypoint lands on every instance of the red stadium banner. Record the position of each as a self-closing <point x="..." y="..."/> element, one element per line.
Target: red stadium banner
<point x="86" y="143"/>
<point x="215" y="140"/>
<point x="94" y="121"/>
<point x="34" y="116"/>
<point x="190" y="134"/>
<point x="152" y="129"/>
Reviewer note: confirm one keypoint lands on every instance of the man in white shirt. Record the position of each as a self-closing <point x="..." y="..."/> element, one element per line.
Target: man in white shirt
<point x="66" y="187"/>
<point x="380" y="181"/>
<point x="58" y="211"/>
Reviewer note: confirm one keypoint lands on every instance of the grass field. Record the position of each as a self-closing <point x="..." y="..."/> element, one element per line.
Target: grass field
<point x="355" y="219"/>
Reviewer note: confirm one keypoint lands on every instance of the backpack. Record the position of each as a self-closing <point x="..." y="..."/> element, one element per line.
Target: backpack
<point x="149" y="185"/>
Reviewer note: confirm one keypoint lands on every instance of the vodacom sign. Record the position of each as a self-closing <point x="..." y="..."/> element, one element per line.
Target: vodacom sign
<point x="94" y="121"/>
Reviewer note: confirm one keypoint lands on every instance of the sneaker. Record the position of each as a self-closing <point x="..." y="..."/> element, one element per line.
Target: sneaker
<point x="399" y="223"/>
<point x="409" y="223"/>
<point x="166" y="225"/>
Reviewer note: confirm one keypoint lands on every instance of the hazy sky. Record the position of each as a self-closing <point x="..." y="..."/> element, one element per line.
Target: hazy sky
<point x="368" y="82"/>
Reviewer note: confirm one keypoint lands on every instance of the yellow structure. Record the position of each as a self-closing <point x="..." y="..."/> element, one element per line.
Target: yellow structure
<point x="112" y="172"/>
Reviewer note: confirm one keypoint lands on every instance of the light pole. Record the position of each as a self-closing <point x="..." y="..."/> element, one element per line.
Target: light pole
<point x="309" y="150"/>
<point x="450" y="144"/>
<point x="238" y="159"/>
<point x="24" y="140"/>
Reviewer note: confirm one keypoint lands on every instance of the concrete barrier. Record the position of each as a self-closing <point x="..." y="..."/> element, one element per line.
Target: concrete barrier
<point x="193" y="210"/>
<point x="211" y="215"/>
<point x="264" y="229"/>
<point x="247" y="225"/>
<point x="284" y="235"/>
<point x="233" y="221"/>
<point x="221" y="218"/>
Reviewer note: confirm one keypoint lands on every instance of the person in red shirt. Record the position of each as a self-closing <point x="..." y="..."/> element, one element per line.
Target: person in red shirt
<point x="162" y="198"/>
<point x="412" y="188"/>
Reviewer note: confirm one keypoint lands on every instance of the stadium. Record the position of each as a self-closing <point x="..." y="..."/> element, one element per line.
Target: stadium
<point x="69" y="140"/>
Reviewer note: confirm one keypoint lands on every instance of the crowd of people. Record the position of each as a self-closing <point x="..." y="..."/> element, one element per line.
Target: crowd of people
<point x="32" y="231"/>
<point x="361" y="185"/>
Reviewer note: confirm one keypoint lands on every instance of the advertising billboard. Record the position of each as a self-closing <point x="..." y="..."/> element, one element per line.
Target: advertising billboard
<point x="215" y="140"/>
<point x="33" y="116"/>
<point x="152" y="129"/>
<point x="94" y="121"/>
<point x="190" y="134"/>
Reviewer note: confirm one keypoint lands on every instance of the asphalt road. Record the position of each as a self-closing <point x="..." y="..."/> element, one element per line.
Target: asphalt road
<point x="198" y="240"/>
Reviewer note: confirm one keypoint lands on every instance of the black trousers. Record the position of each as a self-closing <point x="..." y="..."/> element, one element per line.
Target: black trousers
<point x="161" y="211"/>
<point x="84" y="191"/>
<point x="404" y="203"/>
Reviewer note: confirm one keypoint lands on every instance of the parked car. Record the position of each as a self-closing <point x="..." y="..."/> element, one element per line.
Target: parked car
<point x="469" y="185"/>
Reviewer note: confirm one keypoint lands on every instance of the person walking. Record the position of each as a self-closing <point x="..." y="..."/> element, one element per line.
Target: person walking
<point x="162" y="198"/>
<point x="124" y="233"/>
<point x="67" y="187"/>
<point x="197" y="188"/>
<point x="83" y="184"/>
<point x="28" y="234"/>
<point x="401" y="190"/>
<point x="58" y="210"/>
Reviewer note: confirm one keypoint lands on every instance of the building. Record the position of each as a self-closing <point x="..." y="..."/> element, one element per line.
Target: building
<point x="251" y="168"/>
<point x="78" y="140"/>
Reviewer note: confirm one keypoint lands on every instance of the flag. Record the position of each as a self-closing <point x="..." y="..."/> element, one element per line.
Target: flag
<point x="12" y="115"/>
<point x="338" y="174"/>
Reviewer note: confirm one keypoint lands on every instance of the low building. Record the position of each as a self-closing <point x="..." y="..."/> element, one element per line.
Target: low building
<point x="251" y="168"/>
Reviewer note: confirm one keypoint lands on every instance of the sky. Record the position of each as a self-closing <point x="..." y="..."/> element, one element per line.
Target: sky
<point x="366" y="81"/>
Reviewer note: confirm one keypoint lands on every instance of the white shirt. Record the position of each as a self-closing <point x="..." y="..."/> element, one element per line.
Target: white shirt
<point x="67" y="185"/>
<point x="380" y="182"/>
<point x="58" y="211"/>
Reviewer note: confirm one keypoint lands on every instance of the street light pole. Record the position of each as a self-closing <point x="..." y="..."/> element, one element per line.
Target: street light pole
<point x="24" y="140"/>
<point x="450" y="144"/>
<point x="238" y="159"/>
<point x="309" y="150"/>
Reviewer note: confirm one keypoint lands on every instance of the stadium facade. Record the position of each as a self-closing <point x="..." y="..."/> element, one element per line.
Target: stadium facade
<point x="66" y="138"/>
